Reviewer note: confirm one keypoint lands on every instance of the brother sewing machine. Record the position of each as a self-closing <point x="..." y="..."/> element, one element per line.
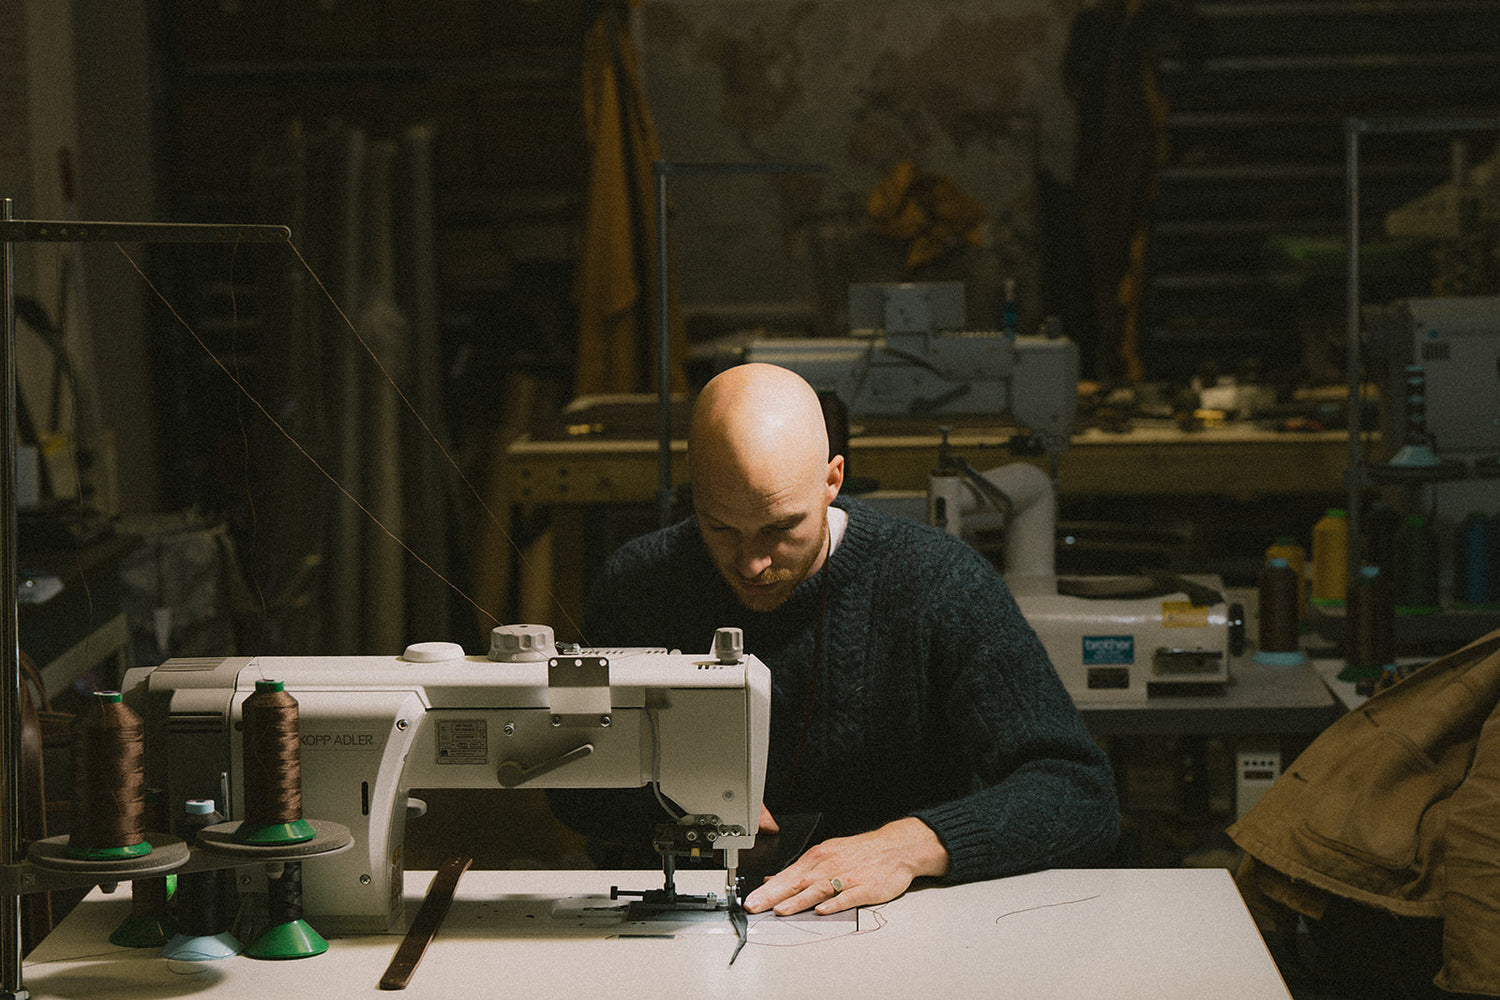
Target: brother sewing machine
<point x="532" y="714"/>
<point x="1111" y="638"/>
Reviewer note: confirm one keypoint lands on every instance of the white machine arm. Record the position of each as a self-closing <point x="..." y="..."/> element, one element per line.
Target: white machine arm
<point x="373" y="728"/>
<point x="1026" y="499"/>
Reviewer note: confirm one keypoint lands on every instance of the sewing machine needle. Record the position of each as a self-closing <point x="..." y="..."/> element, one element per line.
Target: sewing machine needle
<point x="737" y="916"/>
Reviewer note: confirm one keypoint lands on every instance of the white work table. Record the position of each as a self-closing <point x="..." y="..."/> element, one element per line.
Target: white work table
<point x="1118" y="933"/>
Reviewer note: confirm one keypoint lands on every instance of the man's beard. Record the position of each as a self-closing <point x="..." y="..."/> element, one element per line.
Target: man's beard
<point x="778" y="581"/>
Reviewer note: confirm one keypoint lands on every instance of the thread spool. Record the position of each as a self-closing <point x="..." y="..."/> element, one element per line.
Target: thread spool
<point x="108" y="758"/>
<point x="273" y="769"/>
<point x="1380" y="537"/>
<point x="1473" y="561"/>
<point x="288" y="936"/>
<point x="202" y="899"/>
<point x="1278" y="615"/>
<point x="1370" y="629"/>
<point x="1330" y="552"/>
<point x="1414" y="581"/>
<point x="1286" y="547"/>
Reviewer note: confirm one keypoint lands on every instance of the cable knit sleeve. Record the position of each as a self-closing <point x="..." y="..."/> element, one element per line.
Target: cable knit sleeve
<point x="1044" y="794"/>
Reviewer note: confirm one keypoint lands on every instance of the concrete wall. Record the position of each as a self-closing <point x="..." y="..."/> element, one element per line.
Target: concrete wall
<point x="970" y="89"/>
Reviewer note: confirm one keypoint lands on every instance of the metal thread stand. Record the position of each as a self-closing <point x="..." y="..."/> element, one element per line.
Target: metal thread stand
<point x="1354" y="475"/>
<point x="14" y="231"/>
<point x="662" y="169"/>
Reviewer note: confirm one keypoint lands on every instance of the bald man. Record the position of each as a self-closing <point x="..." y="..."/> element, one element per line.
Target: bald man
<point x="911" y="704"/>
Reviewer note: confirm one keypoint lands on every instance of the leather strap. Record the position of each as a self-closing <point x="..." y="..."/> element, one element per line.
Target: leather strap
<point x="425" y="927"/>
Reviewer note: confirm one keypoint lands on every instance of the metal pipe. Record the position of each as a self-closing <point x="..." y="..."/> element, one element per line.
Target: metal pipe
<point x="663" y="356"/>
<point x="1353" y="358"/>
<point x="10" y="690"/>
<point x="661" y="169"/>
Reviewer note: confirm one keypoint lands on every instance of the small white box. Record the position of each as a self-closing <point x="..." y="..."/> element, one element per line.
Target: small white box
<point x="1255" y="770"/>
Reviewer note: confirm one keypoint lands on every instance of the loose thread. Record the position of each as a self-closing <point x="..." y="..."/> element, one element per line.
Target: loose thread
<point x="298" y="445"/>
<point x="1045" y="906"/>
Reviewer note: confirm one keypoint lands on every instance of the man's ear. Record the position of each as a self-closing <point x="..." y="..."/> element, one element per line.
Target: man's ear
<point x="835" y="476"/>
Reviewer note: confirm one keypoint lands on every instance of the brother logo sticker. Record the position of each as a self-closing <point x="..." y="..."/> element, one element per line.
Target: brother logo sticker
<point x="1102" y="650"/>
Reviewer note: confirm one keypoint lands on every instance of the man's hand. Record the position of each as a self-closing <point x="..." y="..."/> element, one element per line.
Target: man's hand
<point x="845" y="872"/>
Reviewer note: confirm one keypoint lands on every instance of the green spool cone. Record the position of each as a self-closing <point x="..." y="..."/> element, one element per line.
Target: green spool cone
<point x="294" y="939"/>
<point x="143" y="932"/>
<point x="271" y="834"/>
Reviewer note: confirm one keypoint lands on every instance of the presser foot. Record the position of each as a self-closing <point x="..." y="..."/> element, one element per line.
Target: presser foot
<point x="653" y="903"/>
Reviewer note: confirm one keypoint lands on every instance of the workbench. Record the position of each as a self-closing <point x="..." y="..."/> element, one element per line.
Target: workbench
<point x="605" y="450"/>
<point x="1118" y="933"/>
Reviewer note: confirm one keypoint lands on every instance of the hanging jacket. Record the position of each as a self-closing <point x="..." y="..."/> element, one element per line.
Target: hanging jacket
<point x="1397" y="806"/>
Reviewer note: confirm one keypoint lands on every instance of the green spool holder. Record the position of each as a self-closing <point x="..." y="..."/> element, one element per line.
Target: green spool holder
<point x="143" y="932"/>
<point x="124" y="853"/>
<point x="271" y="834"/>
<point x="293" y="939"/>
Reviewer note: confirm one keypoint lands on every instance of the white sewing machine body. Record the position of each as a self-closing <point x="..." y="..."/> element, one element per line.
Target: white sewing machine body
<point x="373" y="728"/>
<point x="1111" y="639"/>
<point x="1118" y="647"/>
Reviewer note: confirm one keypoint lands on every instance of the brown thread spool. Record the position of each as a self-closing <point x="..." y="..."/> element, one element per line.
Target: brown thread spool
<point x="1278" y="606"/>
<point x="1278" y="645"/>
<point x="273" y="768"/>
<point x="1373" y="643"/>
<point x="109" y="776"/>
<point x="1369" y="626"/>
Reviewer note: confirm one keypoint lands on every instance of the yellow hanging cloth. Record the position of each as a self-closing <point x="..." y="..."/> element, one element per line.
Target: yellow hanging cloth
<point x="616" y="283"/>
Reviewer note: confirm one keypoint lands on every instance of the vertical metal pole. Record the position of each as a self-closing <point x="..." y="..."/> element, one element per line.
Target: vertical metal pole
<point x="10" y="690"/>
<point x="1354" y="358"/>
<point x="663" y="358"/>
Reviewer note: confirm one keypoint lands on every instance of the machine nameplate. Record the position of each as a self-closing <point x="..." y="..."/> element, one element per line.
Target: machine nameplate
<point x="463" y="741"/>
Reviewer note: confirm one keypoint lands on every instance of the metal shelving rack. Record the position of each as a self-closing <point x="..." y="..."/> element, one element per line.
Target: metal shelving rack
<point x="13" y="231"/>
<point x="1357" y="476"/>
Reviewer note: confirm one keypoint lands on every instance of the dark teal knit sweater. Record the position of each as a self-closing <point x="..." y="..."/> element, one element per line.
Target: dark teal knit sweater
<point x="930" y="697"/>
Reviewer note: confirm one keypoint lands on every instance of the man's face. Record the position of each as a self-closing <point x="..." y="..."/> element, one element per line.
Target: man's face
<point x="765" y="542"/>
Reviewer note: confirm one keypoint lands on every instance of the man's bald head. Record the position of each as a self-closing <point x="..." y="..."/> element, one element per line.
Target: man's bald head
<point x="753" y="420"/>
<point x="762" y="479"/>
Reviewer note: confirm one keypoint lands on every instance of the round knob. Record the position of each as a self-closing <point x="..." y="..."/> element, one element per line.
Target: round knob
<point x="729" y="645"/>
<point x="433" y="652"/>
<point x="520" y="643"/>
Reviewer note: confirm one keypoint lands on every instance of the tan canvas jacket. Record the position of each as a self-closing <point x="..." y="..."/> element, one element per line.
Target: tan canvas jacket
<point x="1397" y="805"/>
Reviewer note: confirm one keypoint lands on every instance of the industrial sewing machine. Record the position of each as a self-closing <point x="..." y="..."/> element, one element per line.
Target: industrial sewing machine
<point x="1111" y="638"/>
<point x="909" y="353"/>
<point x="530" y="715"/>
